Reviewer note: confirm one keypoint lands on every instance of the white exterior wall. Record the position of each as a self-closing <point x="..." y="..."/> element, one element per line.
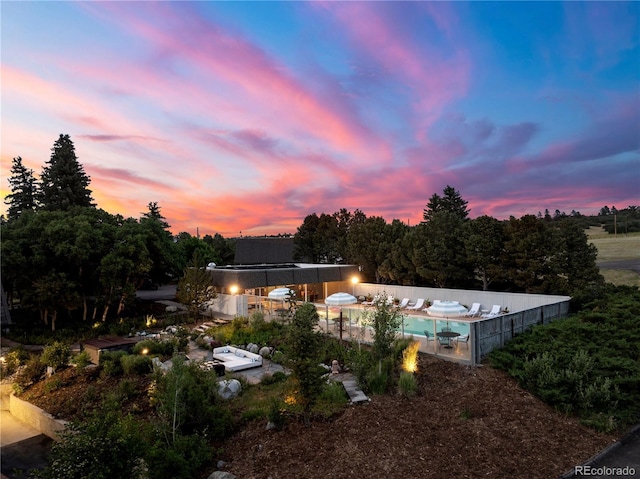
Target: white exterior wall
<point x="513" y="301"/>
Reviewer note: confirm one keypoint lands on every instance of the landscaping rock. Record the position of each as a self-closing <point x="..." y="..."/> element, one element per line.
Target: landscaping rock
<point x="253" y="348"/>
<point x="229" y="388"/>
<point x="221" y="475"/>
<point x="265" y="352"/>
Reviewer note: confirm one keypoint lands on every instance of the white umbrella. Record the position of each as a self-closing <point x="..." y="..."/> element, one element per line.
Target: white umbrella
<point x="445" y="309"/>
<point x="280" y="294"/>
<point x="339" y="299"/>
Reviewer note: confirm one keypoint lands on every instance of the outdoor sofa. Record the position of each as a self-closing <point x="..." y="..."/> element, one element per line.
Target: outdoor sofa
<point x="236" y="359"/>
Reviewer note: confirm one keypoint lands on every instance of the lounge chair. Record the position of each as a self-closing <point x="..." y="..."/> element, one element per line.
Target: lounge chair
<point x="495" y="311"/>
<point x="403" y="303"/>
<point x="462" y="339"/>
<point x="419" y="305"/>
<point x="474" y="310"/>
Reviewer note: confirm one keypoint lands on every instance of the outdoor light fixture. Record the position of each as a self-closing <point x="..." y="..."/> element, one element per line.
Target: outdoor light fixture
<point x="234" y="289"/>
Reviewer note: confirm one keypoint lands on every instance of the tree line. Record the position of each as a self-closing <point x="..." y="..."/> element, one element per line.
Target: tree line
<point x="63" y="254"/>
<point x="532" y="254"/>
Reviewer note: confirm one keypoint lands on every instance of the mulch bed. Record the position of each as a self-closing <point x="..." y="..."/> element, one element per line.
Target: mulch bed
<point x="464" y="422"/>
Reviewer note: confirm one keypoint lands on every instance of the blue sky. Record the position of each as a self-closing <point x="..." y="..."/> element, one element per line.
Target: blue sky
<point x="248" y="116"/>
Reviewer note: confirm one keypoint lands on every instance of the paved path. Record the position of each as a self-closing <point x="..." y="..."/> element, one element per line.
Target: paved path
<point x="624" y="453"/>
<point x="22" y="447"/>
<point x="630" y="264"/>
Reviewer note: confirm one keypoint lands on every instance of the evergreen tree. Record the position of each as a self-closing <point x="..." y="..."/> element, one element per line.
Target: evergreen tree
<point x="23" y="190"/>
<point x="161" y="247"/>
<point x="304" y="352"/>
<point x="63" y="181"/>
<point x="451" y="201"/>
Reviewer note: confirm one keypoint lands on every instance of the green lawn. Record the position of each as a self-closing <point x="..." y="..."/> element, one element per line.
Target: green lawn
<point x="611" y="248"/>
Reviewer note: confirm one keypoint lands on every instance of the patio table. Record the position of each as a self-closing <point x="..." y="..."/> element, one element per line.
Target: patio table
<point x="448" y="335"/>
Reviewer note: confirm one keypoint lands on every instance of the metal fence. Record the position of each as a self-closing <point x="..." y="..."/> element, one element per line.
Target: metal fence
<point x="489" y="334"/>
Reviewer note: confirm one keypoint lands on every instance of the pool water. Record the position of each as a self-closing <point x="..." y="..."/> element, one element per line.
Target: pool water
<point x="417" y="325"/>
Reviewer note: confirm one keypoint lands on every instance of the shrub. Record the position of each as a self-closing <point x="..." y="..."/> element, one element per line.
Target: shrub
<point x="277" y="377"/>
<point x="53" y="384"/>
<point x="81" y="360"/>
<point x="110" y="363"/>
<point x="136" y="365"/>
<point x="31" y="373"/>
<point x="378" y="382"/>
<point x="407" y="384"/>
<point x="276" y="413"/>
<point x="12" y="361"/>
<point x="56" y="355"/>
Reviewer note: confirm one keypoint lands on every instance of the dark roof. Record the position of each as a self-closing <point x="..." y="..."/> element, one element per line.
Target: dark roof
<point x="278" y="275"/>
<point x="109" y="342"/>
<point x="270" y="250"/>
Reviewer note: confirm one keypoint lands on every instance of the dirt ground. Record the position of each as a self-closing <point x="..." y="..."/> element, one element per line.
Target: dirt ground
<point x="463" y="422"/>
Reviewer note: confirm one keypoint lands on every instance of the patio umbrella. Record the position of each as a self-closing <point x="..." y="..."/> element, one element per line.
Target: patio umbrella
<point x="445" y="309"/>
<point x="339" y="299"/>
<point x="279" y="294"/>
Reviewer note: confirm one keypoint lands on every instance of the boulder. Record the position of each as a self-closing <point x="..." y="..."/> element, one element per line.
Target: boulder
<point x="265" y="352"/>
<point x="229" y="388"/>
<point x="253" y="348"/>
<point x="221" y="475"/>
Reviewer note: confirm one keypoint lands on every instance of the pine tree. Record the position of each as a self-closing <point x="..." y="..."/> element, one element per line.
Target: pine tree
<point x="451" y="201"/>
<point x="63" y="181"/>
<point x="23" y="190"/>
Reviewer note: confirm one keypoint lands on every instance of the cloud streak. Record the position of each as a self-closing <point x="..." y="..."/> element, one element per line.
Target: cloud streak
<point x="235" y="119"/>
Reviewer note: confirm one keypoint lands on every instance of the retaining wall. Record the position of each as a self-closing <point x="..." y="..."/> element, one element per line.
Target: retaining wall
<point x="36" y="417"/>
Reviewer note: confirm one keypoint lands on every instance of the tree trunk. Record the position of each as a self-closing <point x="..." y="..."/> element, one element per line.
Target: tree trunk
<point x="123" y="297"/>
<point x="53" y="319"/>
<point x="85" y="308"/>
<point x="104" y="313"/>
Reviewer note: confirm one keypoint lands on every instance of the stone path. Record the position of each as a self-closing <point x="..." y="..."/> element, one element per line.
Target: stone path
<point x="350" y="384"/>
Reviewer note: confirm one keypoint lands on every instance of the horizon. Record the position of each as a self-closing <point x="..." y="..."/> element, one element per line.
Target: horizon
<point x="244" y="118"/>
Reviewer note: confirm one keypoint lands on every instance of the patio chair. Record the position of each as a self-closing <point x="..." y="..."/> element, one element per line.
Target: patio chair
<point x="419" y="305"/>
<point x="462" y="339"/>
<point x="495" y="311"/>
<point x="474" y="310"/>
<point x="429" y="336"/>
<point x="403" y="303"/>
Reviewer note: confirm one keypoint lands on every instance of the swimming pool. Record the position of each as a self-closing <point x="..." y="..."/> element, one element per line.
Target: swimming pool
<point x="417" y="325"/>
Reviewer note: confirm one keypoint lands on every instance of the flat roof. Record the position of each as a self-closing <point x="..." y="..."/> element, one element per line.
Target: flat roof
<point x="265" y="275"/>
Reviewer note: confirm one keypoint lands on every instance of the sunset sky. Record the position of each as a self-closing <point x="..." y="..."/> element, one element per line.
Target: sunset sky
<point x="247" y="117"/>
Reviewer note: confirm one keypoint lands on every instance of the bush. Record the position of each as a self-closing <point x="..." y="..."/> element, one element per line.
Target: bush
<point x="276" y="413"/>
<point x="136" y="365"/>
<point x="277" y="377"/>
<point x="111" y="364"/>
<point x="581" y="364"/>
<point x="31" y="373"/>
<point x="12" y="362"/>
<point x="81" y="360"/>
<point x="56" y="355"/>
<point x="378" y="382"/>
<point x="407" y="384"/>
